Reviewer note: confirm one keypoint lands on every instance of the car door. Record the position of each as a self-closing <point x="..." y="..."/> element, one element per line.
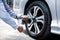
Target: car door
<point x="58" y="11"/>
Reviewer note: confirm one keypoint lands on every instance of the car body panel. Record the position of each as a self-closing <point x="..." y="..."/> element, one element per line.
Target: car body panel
<point x="55" y="12"/>
<point x="56" y="29"/>
<point x="20" y="7"/>
<point x="54" y="23"/>
<point x="58" y="11"/>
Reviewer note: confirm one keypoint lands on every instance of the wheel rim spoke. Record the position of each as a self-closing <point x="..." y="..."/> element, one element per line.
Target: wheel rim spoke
<point x="40" y="17"/>
<point x="30" y="27"/>
<point x="36" y="28"/>
<point x="40" y="21"/>
<point x="30" y="23"/>
<point x="30" y="15"/>
<point x="36" y="8"/>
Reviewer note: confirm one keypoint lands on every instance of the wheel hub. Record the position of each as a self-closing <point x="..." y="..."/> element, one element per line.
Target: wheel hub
<point x="34" y="20"/>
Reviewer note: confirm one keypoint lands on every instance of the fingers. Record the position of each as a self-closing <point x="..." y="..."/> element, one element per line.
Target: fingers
<point x="25" y="18"/>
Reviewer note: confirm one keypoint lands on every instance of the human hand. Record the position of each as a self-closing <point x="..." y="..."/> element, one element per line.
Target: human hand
<point x="25" y="18"/>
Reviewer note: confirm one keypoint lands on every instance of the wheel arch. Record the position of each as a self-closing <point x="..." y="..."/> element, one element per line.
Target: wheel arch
<point x="30" y="1"/>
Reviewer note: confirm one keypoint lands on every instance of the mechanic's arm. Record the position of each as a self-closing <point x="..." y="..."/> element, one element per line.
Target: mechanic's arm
<point x="12" y="14"/>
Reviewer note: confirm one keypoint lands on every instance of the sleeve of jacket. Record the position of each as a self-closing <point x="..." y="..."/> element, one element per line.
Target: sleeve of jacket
<point x="12" y="14"/>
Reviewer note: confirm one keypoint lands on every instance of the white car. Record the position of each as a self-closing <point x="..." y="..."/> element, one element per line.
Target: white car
<point x="44" y="16"/>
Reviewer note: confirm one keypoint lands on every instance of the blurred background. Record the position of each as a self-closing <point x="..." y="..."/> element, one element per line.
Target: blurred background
<point x="7" y="32"/>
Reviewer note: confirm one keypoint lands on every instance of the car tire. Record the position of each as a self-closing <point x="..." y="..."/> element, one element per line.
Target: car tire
<point x="45" y="28"/>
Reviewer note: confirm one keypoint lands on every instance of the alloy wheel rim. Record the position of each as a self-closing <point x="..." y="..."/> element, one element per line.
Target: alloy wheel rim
<point x="35" y="20"/>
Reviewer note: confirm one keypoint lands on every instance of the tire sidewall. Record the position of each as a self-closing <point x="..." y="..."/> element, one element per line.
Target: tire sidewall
<point x="46" y="16"/>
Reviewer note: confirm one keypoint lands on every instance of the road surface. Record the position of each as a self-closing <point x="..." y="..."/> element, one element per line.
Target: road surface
<point x="8" y="33"/>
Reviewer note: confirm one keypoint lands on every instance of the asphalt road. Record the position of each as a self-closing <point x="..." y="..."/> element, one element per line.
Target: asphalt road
<point x="8" y="33"/>
<point x="52" y="37"/>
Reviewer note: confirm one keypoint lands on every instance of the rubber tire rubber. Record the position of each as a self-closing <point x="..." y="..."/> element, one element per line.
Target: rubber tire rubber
<point x="47" y="28"/>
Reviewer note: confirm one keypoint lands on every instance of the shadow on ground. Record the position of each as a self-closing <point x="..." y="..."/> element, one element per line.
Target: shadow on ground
<point x="52" y="37"/>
